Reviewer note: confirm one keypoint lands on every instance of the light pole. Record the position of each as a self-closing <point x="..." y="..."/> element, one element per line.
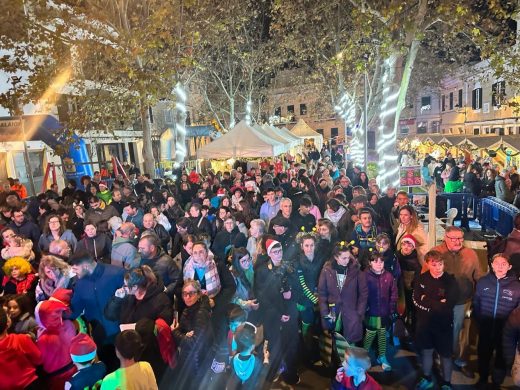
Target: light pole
<point x="18" y="112"/>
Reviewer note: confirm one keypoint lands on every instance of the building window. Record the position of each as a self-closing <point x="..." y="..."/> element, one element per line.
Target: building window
<point x="500" y="131"/>
<point x="150" y="114"/>
<point x="443" y="102"/>
<point x="333" y="132"/>
<point x="451" y="100"/>
<point x="434" y="126"/>
<point x="320" y="131"/>
<point x="303" y="109"/>
<point x="498" y="93"/>
<point x="405" y="130"/>
<point x="426" y="103"/>
<point x="486" y="130"/>
<point x="278" y="111"/>
<point x="476" y="131"/>
<point x="459" y="101"/>
<point x="290" y="109"/>
<point x="476" y="99"/>
<point x="423" y="128"/>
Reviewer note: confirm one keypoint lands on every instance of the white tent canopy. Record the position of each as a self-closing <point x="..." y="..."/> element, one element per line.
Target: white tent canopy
<point x="297" y="140"/>
<point x="270" y="133"/>
<point x="242" y="141"/>
<point x="303" y="130"/>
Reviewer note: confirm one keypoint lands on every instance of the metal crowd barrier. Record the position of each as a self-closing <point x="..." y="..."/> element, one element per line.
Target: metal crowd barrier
<point x="497" y="215"/>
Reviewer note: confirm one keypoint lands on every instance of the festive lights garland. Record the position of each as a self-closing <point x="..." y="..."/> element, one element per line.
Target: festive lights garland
<point x="385" y="146"/>
<point x="180" y="125"/>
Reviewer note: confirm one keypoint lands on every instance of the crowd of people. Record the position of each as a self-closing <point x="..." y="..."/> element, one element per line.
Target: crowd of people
<point x="236" y="279"/>
<point x="477" y="176"/>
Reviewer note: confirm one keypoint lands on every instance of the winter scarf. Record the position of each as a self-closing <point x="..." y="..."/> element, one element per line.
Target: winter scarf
<point x="211" y="277"/>
<point x="335" y="216"/>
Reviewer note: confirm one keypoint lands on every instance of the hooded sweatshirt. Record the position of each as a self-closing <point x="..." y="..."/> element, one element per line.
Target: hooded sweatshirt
<point x="54" y="341"/>
<point x="124" y="253"/>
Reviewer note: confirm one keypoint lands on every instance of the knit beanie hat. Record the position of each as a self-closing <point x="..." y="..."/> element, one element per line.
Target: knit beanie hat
<point x="269" y="244"/>
<point x="82" y="348"/>
<point x="410" y="239"/>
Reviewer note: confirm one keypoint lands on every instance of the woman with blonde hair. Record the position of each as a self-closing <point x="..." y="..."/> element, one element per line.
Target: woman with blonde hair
<point x="409" y="224"/>
<point x="54" y="273"/>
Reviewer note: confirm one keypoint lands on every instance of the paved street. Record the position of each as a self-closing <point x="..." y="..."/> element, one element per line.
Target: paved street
<point x="403" y="376"/>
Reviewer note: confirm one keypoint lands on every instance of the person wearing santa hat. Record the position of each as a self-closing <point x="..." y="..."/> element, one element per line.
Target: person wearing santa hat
<point x="83" y="354"/>
<point x="55" y="337"/>
<point x="274" y="280"/>
<point x="104" y="194"/>
<point x="410" y="269"/>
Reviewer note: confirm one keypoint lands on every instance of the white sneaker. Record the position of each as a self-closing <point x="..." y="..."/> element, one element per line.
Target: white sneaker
<point x="384" y="363"/>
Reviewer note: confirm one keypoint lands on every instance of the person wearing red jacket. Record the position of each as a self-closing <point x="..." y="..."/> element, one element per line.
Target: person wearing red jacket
<point x="55" y="338"/>
<point x="352" y="375"/>
<point x="19" y="357"/>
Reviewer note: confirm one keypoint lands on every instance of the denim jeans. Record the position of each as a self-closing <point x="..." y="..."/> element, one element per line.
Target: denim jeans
<point x="460" y="330"/>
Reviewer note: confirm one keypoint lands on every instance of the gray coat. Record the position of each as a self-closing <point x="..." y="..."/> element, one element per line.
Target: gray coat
<point x="124" y="253"/>
<point x="502" y="192"/>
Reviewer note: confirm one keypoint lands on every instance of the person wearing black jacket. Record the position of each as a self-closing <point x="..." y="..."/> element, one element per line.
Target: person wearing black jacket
<point x="200" y="223"/>
<point x="142" y="296"/>
<point x="511" y="344"/>
<point x="98" y="245"/>
<point x="308" y="267"/>
<point x="193" y="335"/>
<point x="150" y="225"/>
<point x="471" y="182"/>
<point x="303" y="220"/>
<point x="273" y="290"/>
<point x="161" y="263"/>
<point x="226" y="239"/>
<point x="434" y="295"/>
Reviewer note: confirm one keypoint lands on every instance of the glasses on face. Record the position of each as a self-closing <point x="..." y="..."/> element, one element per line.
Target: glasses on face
<point x="455" y="239"/>
<point x="189" y="293"/>
<point x="276" y="252"/>
<point x="245" y="261"/>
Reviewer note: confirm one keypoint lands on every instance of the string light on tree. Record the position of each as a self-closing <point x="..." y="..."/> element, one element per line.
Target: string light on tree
<point x="346" y="109"/>
<point x="388" y="160"/>
<point x="180" y="124"/>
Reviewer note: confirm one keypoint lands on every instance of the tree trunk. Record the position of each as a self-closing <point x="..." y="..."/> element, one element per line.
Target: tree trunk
<point x="149" y="161"/>
<point x="396" y="79"/>
<point x="231" y="113"/>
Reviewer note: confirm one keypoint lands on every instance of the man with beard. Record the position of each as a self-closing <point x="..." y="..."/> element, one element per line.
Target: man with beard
<point x="162" y="264"/>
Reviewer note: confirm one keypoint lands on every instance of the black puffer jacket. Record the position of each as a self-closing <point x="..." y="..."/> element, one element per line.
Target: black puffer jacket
<point x="194" y="318"/>
<point x="99" y="247"/>
<point x="165" y="268"/>
<point x="128" y="310"/>
<point x="225" y="239"/>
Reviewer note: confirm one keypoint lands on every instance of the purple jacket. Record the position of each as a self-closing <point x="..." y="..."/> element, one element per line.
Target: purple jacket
<point x="382" y="294"/>
<point x="351" y="300"/>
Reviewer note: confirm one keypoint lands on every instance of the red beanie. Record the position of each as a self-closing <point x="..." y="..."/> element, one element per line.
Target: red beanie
<point x="82" y="348"/>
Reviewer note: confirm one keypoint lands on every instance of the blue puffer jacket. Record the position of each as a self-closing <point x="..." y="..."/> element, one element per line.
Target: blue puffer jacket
<point x="382" y="294"/>
<point x="91" y="295"/>
<point x="496" y="298"/>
